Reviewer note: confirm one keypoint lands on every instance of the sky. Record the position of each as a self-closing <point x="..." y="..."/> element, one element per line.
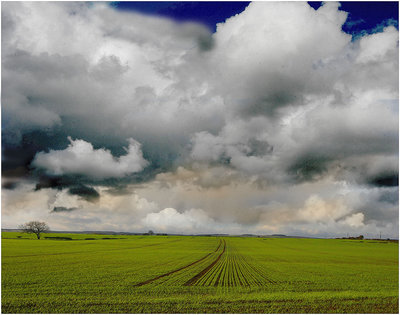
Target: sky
<point x="261" y="118"/>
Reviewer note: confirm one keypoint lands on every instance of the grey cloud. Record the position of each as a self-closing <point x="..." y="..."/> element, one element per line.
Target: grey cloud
<point x="88" y="193"/>
<point x="385" y="179"/>
<point x="390" y="196"/>
<point x="373" y="170"/>
<point x="259" y="148"/>
<point x="307" y="168"/>
<point x="63" y="209"/>
<point x="380" y="205"/>
<point x="118" y="190"/>
<point x="9" y="185"/>
<point x="272" y="96"/>
<point x="54" y="182"/>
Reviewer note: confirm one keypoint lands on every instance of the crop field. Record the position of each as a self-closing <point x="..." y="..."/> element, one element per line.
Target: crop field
<point x="77" y="273"/>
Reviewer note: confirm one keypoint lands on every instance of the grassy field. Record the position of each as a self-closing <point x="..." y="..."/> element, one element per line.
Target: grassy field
<point x="185" y="274"/>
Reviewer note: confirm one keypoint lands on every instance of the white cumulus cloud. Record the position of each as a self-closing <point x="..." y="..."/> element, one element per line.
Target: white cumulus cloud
<point x="80" y="158"/>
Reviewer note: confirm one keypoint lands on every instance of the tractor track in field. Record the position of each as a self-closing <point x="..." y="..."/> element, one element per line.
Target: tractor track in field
<point x="179" y="269"/>
<point x="230" y="269"/>
<point x="227" y="269"/>
<point x="193" y="280"/>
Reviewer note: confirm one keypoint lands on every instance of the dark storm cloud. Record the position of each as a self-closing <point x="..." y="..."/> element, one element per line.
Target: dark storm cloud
<point x="9" y="185"/>
<point x="73" y="185"/>
<point x="385" y="180"/>
<point x="85" y="192"/>
<point x="308" y="168"/>
<point x="18" y="171"/>
<point x="54" y="182"/>
<point x="17" y="157"/>
<point x="63" y="209"/>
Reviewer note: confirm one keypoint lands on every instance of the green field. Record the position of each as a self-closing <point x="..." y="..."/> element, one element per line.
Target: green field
<point x="186" y="274"/>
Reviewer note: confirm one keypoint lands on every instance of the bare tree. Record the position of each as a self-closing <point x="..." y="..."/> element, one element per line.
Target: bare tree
<point x="34" y="227"/>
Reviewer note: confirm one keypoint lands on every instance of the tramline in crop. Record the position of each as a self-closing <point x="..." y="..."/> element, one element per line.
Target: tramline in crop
<point x="224" y="267"/>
